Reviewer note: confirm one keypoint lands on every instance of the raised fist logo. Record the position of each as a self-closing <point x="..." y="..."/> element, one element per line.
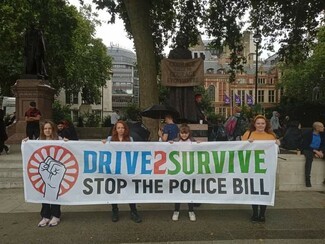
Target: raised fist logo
<point x="53" y="171"/>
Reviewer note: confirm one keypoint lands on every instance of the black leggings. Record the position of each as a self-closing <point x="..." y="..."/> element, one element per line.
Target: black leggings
<point x="133" y="207"/>
<point x="49" y="210"/>
<point x="262" y="210"/>
<point x="190" y="207"/>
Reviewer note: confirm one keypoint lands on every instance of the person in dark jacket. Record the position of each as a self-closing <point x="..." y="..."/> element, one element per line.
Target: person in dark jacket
<point x="3" y="133"/>
<point x="312" y="145"/>
<point x="292" y="137"/>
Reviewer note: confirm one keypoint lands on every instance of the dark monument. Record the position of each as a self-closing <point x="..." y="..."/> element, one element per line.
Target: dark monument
<point x="34" y="53"/>
<point x="33" y="84"/>
<point x="182" y="98"/>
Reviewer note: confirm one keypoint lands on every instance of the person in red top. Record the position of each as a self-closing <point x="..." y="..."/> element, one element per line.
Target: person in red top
<point x="32" y="118"/>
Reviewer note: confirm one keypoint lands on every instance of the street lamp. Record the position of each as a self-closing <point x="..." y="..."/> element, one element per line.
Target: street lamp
<point x="257" y="38"/>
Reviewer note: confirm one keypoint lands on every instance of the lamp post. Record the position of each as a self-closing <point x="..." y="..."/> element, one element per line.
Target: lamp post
<point x="257" y="38"/>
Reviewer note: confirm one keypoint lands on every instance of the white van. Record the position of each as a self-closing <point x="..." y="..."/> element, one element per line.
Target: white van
<point x="9" y="105"/>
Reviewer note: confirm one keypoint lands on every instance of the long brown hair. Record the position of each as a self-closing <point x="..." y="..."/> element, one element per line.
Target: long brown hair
<point x="54" y="135"/>
<point x="126" y="136"/>
<point x="268" y="127"/>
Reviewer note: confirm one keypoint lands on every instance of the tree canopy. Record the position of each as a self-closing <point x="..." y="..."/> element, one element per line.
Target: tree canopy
<point x="292" y="23"/>
<point x="305" y="82"/>
<point x="74" y="58"/>
<point x="152" y="23"/>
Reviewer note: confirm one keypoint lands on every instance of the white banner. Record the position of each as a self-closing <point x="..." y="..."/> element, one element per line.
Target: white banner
<point x="88" y="172"/>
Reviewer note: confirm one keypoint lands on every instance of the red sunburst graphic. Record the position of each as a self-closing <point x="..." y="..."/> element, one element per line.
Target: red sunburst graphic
<point x="60" y="154"/>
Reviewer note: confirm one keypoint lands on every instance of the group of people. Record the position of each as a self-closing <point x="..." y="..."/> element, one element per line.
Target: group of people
<point x="259" y="129"/>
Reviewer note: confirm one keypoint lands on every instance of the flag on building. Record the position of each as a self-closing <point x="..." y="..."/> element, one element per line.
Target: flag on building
<point x="249" y="99"/>
<point x="226" y="99"/>
<point x="237" y="99"/>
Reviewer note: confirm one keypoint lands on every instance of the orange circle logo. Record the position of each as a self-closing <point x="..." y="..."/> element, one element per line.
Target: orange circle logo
<point x="58" y="154"/>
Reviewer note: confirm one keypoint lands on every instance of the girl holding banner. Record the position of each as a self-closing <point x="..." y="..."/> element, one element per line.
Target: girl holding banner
<point x="48" y="132"/>
<point x="184" y="136"/>
<point x="121" y="132"/>
<point x="260" y="129"/>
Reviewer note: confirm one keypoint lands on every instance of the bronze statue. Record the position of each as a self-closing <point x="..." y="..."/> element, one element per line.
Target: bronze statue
<point x="34" y="53"/>
<point x="182" y="98"/>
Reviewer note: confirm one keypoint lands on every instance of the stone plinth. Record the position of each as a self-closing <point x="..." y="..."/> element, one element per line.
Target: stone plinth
<point x="27" y="90"/>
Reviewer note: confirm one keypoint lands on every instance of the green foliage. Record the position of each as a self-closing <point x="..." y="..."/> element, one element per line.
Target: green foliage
<point x="91" y="119"/>
<point x="301" y="80"/>
<point x="74" y="58"/>
<point x="60" y="112"/>
<point x="106" y="121"/>
<point x="132" y="112"/>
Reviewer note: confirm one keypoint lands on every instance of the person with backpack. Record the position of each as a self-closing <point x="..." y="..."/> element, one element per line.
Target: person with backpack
<point x="236" y="125"/>
<point x="218" y="132"/>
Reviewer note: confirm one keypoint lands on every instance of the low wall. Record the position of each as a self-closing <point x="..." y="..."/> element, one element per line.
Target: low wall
<point x="92" y="133"/>
<point x="291" y="174"/>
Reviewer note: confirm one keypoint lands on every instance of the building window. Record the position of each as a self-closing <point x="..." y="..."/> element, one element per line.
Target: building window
<point x="260" y="97"/>
<point x="75" y="116"/>
<point x="271" y="81"/>
<point x="71" y="98"/>
<point x="222" y="111"/>
<point x="261" y="81"/>
<point x="195" y="55"/>
<point x="211" y="93"/>
<point x="241" y="81"/>
<point x="75" y="98"/>
<point x="271" y="96"/>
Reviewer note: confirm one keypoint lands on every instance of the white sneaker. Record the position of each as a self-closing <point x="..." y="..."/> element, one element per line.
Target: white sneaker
<point x="43" y="222"/>
<point x="175" y="215"/>
<point x="192" y="216"/>
<point x="54" y="221"/>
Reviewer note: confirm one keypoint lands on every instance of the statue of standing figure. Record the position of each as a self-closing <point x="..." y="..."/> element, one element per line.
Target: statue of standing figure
<point x="34" y="53"/>
<point x="182" y="98"/>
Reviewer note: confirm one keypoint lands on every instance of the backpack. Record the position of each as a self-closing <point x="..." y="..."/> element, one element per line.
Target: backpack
<point x="221" y="134"/>
<point x="230" y="125"/>
<point x="241" y="126"/>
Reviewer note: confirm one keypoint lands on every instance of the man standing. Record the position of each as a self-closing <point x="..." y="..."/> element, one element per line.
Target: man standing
<point x="312" y="145"/>
<point x="32" y="118"/>
<point x="275" y="123"/>
<point x="170" y="130"/>
<point x="115" y="117"/>
<point x="200" y="117"/>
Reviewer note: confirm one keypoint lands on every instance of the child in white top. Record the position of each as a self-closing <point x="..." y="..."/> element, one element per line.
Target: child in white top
<point x="184" y="136"/>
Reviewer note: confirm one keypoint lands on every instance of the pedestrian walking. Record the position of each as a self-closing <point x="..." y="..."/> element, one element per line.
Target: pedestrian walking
<point x="3" y="134"/>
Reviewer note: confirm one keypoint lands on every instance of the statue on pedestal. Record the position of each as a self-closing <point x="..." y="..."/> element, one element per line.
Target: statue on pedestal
<point x="182" y="98"/>
<point x="34" y="53"/>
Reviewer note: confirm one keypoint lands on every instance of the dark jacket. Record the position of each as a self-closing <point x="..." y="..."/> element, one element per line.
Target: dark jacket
<point x="307" y="138"/>
<point x="292" y="138"/>
<point x="3" y="133"/>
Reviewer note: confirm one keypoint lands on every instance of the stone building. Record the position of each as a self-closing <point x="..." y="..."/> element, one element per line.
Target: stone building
<point x="216" y="79"/>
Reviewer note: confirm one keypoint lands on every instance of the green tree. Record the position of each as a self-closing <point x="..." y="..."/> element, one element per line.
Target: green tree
<point x="74" y="58"/>
<point x="152" y="23"/>
<point x="304" y="82"/>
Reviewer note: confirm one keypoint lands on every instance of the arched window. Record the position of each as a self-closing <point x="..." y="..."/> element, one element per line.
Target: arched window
<point x="212" y="92"/>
